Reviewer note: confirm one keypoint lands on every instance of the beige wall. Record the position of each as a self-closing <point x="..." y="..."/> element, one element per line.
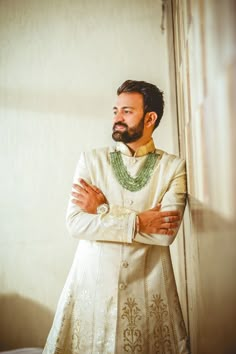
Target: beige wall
<point x="60" y="64"/>
<point x="205" y="47"/>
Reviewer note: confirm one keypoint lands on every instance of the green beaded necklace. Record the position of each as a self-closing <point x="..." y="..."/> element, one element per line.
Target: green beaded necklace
<point x="133" y="184"/>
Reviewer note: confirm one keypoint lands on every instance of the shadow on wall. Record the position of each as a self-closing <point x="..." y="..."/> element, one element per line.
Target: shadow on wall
<point x="23" y="322"/>
<point x="211" y="269"/>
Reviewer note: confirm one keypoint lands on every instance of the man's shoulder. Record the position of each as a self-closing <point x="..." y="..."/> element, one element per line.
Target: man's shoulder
<point x="168" y="156"/>
<point x="97" y="153"/>
<point x="170" y="160"/>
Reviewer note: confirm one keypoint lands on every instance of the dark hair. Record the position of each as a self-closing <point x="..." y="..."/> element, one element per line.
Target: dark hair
<point x="152" y="96"/>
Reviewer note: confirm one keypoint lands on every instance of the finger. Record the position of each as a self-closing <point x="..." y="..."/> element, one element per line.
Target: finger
<point x="170" y="232"/>
<point x="170" y="225"/>
<point x="84" y="183"/>
<point x="79" y="189"/>
<point x="88" y="187"/>
<point x="78" y="196"/>
<point x="168" y="219"/>
<point x="96" y="189"/>
<point x="76" y="186"/>
<point x="163" y="231"/>
<point x="166" y="232"/>
<point x="77" y="202"/>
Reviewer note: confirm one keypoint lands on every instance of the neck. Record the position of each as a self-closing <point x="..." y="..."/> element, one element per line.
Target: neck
<point x="135" y="145"/>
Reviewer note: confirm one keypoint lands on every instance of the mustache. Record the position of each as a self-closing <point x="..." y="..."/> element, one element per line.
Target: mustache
<point x="120" y="124"/>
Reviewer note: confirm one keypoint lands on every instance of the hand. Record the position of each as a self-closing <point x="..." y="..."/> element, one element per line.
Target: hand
<point x="154" y="221"/>
<point x="87" y="197"/>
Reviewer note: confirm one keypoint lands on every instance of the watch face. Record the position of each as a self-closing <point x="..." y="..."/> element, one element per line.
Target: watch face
<point x="102" y="209"/>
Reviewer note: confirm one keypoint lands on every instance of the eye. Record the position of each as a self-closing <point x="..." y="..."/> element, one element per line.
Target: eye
<point x="114" y="113"/>
<point x="127" y="111"/>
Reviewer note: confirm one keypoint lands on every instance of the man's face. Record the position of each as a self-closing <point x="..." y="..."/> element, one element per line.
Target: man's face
<point x="128" y="117"/>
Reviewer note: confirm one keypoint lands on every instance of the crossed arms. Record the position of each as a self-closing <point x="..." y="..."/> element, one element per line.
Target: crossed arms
<point x="157" y="226"/>
<point x="152" y="221"/>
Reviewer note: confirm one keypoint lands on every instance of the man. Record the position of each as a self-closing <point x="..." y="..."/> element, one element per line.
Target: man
<point x="126" y="206"/>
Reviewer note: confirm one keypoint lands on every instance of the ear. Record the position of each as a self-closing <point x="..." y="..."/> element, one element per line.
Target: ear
<point x="151" y="118"/>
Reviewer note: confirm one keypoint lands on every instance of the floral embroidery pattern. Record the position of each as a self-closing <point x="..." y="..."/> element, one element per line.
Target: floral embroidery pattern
<point x="161" y="334"/>
<point x="132" y="334"/>
<point x="75" y="344"/>
<point x="56" y="340"/>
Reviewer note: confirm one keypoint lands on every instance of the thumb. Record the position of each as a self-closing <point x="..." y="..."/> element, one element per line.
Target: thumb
<point x="157" y="208"/>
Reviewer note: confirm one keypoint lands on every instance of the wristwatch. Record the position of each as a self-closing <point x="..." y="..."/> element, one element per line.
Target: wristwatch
<point x="103" y="208"/>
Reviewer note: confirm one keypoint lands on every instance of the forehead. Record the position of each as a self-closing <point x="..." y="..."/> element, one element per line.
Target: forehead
<point x="130" y="99"/>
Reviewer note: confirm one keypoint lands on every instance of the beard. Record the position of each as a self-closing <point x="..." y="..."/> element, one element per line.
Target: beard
<point x="128" y="135"/>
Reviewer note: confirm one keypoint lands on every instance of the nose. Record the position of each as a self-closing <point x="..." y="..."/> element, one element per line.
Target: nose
<point x="118" y="117"/>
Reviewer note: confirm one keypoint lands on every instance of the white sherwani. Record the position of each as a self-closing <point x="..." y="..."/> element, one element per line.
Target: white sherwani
<point x="120" y="295"/>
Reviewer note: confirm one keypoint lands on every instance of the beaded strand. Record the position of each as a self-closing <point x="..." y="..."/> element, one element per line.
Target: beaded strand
<point x="133" y="184"/>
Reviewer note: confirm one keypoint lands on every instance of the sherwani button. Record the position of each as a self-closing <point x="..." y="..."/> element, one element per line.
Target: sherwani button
<point x="122" y="286"/>
<point x="125" y="264"/>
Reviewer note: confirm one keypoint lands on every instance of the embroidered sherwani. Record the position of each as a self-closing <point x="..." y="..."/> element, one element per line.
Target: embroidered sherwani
<point x="120" y="295"/>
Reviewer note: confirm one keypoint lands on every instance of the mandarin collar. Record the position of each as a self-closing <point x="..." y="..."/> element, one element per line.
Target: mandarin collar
<point x="141" y="151"/>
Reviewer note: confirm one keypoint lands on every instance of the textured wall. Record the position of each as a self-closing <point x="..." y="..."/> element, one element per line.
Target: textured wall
<point x="60" y="64"/>
<point x="205" y="49"/>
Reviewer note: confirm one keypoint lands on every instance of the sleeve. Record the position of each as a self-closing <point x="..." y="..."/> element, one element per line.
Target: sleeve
<point x="117" y="225"/>
<point x="174" y="199"/>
